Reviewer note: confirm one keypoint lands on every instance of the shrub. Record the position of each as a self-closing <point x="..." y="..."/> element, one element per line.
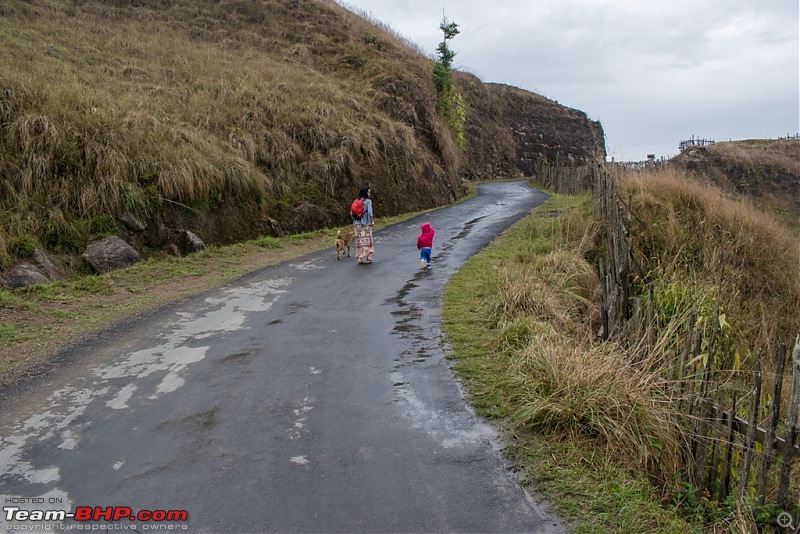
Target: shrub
<point x="596" y="391"/>
<point x="22" y="246"/>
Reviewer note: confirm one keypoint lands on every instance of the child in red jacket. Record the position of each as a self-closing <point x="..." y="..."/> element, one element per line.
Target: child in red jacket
<point x="425" y="244"/>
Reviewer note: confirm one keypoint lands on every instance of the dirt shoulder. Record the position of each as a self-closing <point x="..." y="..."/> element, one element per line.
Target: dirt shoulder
<point x="38" y="322"/>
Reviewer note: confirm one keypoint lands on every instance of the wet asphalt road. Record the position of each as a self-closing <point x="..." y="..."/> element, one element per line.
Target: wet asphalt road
<point x="311" y="396"/>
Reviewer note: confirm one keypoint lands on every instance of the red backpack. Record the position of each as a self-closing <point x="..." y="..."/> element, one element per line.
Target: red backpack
<point x="357" y="208"/>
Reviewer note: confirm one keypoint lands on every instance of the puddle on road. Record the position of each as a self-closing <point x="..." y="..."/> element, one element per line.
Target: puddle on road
<point x="467" y="228"/>
<point x="418" y="326"/>
<point x="448" y="430"/>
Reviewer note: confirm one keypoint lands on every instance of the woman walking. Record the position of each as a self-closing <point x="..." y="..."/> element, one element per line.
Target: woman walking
<point x="363" y="226"/>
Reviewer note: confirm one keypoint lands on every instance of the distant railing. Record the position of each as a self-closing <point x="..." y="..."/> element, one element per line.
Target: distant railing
<point x="644" y="164"/>
<point x="695" y="142"/>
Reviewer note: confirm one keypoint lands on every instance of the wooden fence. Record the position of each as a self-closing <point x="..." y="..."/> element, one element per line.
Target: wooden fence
<point x="566" y="180"/>
<point x="740" y="444"/>
<point x="694" y="142"/>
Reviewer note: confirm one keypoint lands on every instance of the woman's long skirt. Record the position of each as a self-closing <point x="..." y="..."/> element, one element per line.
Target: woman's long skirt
<point x="364" y="244"/>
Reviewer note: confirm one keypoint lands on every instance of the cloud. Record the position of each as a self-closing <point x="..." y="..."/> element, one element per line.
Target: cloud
<point x="651" y="72"/>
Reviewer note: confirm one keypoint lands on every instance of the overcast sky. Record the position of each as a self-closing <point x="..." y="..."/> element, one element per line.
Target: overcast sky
<point x="653" y="72"/>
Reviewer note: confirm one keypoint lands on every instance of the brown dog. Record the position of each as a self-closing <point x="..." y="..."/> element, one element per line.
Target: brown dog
<point x="343" y="241"/>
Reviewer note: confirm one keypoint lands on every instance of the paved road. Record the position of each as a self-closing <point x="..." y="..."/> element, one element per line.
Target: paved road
<point x="311" y="396"/>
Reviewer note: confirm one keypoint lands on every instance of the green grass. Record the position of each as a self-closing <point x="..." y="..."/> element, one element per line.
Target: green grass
<point x="304" y="235"/>
<point x="587" y="487"/>
<point x="268" y="242"/>
<point x="93" y="284"/>
<point x="9" y="334"/>
<point x="592" y="493"/>
<point x="8" y="298"/>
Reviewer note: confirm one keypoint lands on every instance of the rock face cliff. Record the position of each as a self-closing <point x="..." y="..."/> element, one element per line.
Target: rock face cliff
<point x="234" y="119"/>
<point x="511" y="132"/>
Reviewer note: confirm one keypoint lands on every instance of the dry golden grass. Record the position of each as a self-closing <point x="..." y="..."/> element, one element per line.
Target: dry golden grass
<point x="783" y="155"/>
<point x="108" y="107"/>
<point x="559" y="288"/>
<point x="689" y="230"/>
<point x="765" y="170"/>
<point x="596" y="391"/>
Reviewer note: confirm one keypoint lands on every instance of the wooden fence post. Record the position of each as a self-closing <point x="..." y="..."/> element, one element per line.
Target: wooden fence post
<point x="650" y="320"/>
<point x="749" y="446"/>
<point x="724" y="486"/>
<point x="685" y="355"/>
<point x="791" y="430"/>
<point x="703" y="415"/>
<point x="774" y="413"/>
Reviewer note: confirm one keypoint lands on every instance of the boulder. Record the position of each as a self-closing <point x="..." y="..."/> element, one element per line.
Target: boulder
<point x="277" y="231"/>
<point x="109" y="254"/>
<point x="22" y="275"/>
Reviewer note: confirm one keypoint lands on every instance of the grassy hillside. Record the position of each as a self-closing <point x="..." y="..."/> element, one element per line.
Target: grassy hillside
<point x="238" y="110"/>
<point x="765" y="170"/>
<point x="720" y="246"/>
<point x="233" y="118"/>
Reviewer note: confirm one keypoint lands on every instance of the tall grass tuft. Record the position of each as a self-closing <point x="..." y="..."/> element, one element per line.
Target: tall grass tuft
<point x="5" y="257"/>
<point x="595" y="391"/>
<point x="560" y="288"/>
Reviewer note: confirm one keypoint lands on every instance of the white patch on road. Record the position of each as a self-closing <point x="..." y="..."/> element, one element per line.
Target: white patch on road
<point x="116" y="382"/>
<point x="450" y="432"/>
<point x="68" y="441"/>
<point x="309" y="265"/>
<point x="299" y="460"/>
<point x="300" y="414"/>
<point x="178" y="360"/>
<point x="121" y="400"/>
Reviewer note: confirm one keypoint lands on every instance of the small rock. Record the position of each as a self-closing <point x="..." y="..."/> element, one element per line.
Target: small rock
<point x="132" y="222"/>
<point x="43" y="261"/>
<point x="189" y="243"/>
